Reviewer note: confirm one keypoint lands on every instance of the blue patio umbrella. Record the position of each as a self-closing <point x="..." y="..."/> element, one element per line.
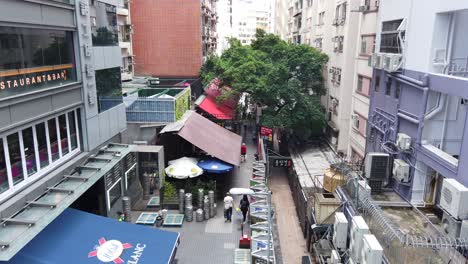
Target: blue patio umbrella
<point x="215" y="166"/>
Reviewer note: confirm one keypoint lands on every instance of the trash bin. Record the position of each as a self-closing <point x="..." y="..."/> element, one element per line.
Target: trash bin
<point x="159" y="221"/>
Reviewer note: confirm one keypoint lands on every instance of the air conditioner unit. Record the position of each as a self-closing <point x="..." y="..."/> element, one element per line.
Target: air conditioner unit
<point x="340" y="231"/>
<point x="372" y="251"/>
<point x="400" y="170"/>
<point x="376" y="165"/>
<point x="392" y="62"/>
<point x="451" y="226"/>
<point x="335" y="257"/>
<point x="364" y="8"/>
<point x="403" y="141"/>
<point x="464" y="229"/>
<point x="377" y="60"/>
<point x="355" y="121"/>
<point x="358" y="229"/>
<point x="454" y="197"/>
<point x="363" y="185"/>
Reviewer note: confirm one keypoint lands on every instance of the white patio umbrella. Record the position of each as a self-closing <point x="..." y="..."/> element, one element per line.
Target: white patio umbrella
<point x="183" y="168"/>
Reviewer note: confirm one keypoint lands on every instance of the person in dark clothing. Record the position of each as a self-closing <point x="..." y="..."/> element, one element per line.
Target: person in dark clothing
<point x="244" y="207"/>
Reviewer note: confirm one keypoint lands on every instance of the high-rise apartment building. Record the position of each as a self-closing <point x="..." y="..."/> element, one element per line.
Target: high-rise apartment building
<point x="125" y="38"/>
<point x="365" y="44"/>
<point x="224" y="26"/>
<point x="173" y="38"/>
<point x="332" y="27"/>
<point x="58" y="59"/>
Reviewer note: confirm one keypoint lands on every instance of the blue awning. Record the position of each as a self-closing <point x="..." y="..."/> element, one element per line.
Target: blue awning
<point x="214" y="166"/>
<point x="79" y="237"/>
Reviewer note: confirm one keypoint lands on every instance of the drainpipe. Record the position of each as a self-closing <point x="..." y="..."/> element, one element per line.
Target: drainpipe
<point x="444" y="125"/>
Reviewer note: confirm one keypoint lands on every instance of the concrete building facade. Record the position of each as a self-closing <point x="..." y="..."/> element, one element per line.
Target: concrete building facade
<point x="419" y="90"/>
<point x="172" y="39"/>
<point x="124" y="23"/>
<point x="57" y="60"/>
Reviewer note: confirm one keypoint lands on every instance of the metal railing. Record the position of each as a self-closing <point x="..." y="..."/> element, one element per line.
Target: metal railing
<point x="458" y="67"/>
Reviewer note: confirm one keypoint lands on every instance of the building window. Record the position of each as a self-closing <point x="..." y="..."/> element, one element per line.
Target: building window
<point x="336" y="75"/>
<point x="391" y="37"/>
<point x="108" y="88"/>
<point x="114" y="193"/>
<point x="42" y="145"/>
<point x="63" y="129"/>
<point x="310" y="2"/>
<point x="397" y="90"/>
<point x="16" y="165"/>
<point x="318" y="43"/>
<point x="359" y="124"/>
<point x="377" y="83"/>
<point x="363" y="85"/>
<point x="367" y="45"/>
<point x="32" y="59"/>
<point x="338" y="44"/>
<point x="388" y="87"/>
<point x="104" y="24"/>
<point x="343" y="13"/>
<point x="321" y="18"/>
<point x="53" y="139"/>
<point x="29" y="150"/>
<point x="73" y="132"/>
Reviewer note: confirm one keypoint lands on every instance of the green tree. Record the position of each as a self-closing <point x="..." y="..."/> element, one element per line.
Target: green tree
<point x="285" y="79"/>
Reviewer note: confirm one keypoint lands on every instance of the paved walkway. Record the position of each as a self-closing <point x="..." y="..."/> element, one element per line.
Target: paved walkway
<point x="292" y="242"/>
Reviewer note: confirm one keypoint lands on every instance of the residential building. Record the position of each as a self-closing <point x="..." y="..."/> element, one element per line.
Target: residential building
<point x="281" y="18"/>
<point x="57" y="60"/>
<point x="125" y="38"/>
<point x="248" y="15"/>
<point x="224" y="25"/>
<point x="173" y="38"/>
<point x="418" y="94"/>
<point x="365" y="43"/>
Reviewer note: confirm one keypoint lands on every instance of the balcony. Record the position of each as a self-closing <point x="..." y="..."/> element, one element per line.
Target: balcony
<point x="458" y="67"/>
<point x="122" y="11"/>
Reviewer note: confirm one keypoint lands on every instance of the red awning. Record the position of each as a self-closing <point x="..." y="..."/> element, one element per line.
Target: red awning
<point x="219" y="111"/>
<point x="225" y="110"/>
<point x="212" y="138"/>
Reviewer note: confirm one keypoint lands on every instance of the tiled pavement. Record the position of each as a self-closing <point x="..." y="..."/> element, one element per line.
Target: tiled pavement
<point x="214" y="241"/>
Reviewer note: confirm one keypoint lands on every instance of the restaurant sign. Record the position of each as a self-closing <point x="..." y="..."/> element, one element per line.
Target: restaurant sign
<point x="33" y="77"/>
<point x="266" y="133"/>
<point x="112" y="251"/>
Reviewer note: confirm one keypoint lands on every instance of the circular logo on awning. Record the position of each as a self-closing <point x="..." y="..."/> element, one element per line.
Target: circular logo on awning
<point x="110" y="251"/>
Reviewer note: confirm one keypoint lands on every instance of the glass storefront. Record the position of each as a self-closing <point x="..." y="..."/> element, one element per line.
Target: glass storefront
<point x="104" y="24"/>
<point x="32" y="59"/>
<point x="31" y="150"/>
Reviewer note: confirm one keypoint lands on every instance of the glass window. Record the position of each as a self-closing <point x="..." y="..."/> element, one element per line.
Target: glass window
<point x="15" y="158"/>
<point x="359" y="83"/>
<point x="54" y="147"/>
<point x="104" y="24"/>
<point x="377" y="83"/>
<point x="109" y="88"/>
<point x="114" y="193"/>
<point x="389" y="40"/>
<point x="42" y="145"/>
<point x="29" y="150"/>
<point x="32" y="59"/>
<point x="73" y="135"/>
<point x="3" y="172"/>
<point x="63" y="128"/>
<point x="388" y="87"/>
<point x="397" y="90"/>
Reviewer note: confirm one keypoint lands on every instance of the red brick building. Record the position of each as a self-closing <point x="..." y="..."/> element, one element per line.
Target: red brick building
<point x="172" y="37"/>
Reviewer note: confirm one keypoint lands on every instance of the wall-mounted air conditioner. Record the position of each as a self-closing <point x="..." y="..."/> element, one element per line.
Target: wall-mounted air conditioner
<point x="454" y="198"/>
<point x="392" y="62"/>
<point x="376" y="165"/>
<point x="377" y="60"/>
<point x="355" y="121"/>
<point x="400" y="170"/>
<point x="340" y="231"/>
<point x="372" y="251"/>
<point x="451" y="226"/>
<point x="403" y="141"/>
<point x="358" y="229"/>
<point x="364" y="8"/>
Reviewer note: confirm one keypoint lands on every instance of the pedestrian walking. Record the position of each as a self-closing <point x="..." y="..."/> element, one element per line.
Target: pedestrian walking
<point x="243" y="152"/>
<point x="244" y="207"/>
<point x="228" y="201"/>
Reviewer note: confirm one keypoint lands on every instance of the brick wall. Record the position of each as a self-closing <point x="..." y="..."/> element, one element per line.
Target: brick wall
<point x="167" y="37"/>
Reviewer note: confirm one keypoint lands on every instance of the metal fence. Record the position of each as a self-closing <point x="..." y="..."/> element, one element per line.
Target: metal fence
<point x="401" y="246"/>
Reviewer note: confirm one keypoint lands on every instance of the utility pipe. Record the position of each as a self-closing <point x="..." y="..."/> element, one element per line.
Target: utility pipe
<point x="444" y="125"/>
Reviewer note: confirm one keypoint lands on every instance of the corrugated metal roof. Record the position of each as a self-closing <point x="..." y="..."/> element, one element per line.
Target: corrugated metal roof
<point x="178" y="125"/>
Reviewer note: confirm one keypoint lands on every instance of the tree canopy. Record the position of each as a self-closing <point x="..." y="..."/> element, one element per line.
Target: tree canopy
<point x="285" y="79"/>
